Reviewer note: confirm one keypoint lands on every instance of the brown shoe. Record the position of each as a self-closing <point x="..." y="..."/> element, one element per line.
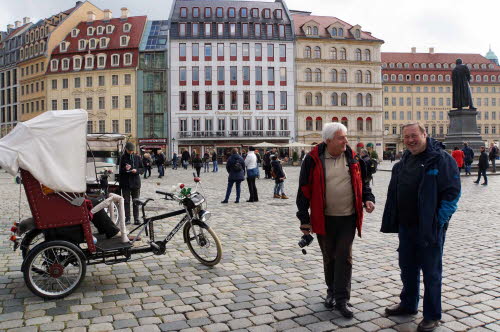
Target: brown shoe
<point x="277" y="196"/>
<point x="427" y="325"/>
<point x="284" y="196"/>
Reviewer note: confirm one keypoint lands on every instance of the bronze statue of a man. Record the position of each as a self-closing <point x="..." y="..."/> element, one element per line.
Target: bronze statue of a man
<point x="460" y="78"/>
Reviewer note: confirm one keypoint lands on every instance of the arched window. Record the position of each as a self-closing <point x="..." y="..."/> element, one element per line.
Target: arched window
<point x="341" y="32"/>
<point x="309" y="99"/>
<point x="493" y="78"/>
<point x="369" y="100"/>
<point x="343" y="99"/>
<point x="335" y="119"/>
<point x="425" y="78"/>
<point x="368" y="76"/>
<point x="308" y="30"/>
<point x="359" y="99"/>
<point x="334" y="31"/>
<point x="317" y="52"/>
<point x="369" y="125"/>
<point x="368" y="55"/>
<point x="317" y="75"/>
<point x="307" y="52"/>
<point x="344" y="122"/>
<point x="335" y="99"/>
<point x="333" y="75"/>
<point x="393" y="77"/>
<point x="343" y="76"/>
<point x="386" y="77"/>
<point x="447" y="78"/>
<point x="333" y="53"/>
<point x="485" y="78"/>
<point x="319" y="123"/>
<point x="359" y="124"/>
<point x="318" y="99"/>
<point x="433" y="78"/>
<point x="343" y="54"/>
<point x="440" y="78"/>
<point x="478" y="78"/>
<point x="400" y="77"/>
<point x="308" y="75"/>
<point x="357" y="33"/>
<point x="309" y="123"/>
<point x="359" y="76"/>
<point x="315" y="31"/>
<point x="357" y="54"/>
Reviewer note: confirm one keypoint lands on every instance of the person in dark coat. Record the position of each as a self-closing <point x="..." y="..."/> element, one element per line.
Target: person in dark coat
<point x="266" y="164"/>
<point x="423" y="194"/>
<point x="493" y="155"/>
<point x="235" y="166"/>
<point x="483" y="166"/>
<point x="160" y="162"/>
<point x="131" y="168"/>
<point x="468" y="158"/>
<point x="174" y="161"/>
<point x="460" y="78"/>
<point x="206" y="162"/>
<point x="279" y="178"/>
<point x="215" y="162"/>
<point x="197" y="163"/>
<point x="147" y="162"/>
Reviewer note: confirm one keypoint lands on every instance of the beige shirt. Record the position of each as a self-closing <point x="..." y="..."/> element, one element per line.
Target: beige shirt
<point x="339" y="193"/>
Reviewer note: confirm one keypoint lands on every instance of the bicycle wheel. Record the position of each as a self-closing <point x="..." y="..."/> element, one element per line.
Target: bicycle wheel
<point x="115" y="212"/>
<point x="203" y="244"/>
<point x="30" y="240"/>
<point x="54" y="269"/>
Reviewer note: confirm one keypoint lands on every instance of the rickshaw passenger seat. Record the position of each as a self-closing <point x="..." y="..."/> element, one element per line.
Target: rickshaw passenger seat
<point x="141" y="201"/>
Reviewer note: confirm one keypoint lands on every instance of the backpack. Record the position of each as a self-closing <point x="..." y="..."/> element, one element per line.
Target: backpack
<point x="237" y="167"/>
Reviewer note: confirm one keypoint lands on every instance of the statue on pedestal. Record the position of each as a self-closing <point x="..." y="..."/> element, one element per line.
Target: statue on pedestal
<point x="460" y="78"/>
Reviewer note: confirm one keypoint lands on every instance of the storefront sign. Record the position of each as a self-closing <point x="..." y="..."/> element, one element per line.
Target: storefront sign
<point x="152" y="141"/>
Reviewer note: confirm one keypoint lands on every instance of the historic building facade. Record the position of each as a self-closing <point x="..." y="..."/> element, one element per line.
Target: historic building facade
<point x="338" y="70"/>
<point x="94" y="68"/>
<point x="10" y="43"/>
<point x="152" y="93"/>
<point x="417" y="87"/>
<point x="38" y="43"/>
<point x="231" y="74"/>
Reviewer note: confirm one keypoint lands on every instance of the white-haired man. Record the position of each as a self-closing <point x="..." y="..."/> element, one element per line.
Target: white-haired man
<point x="332" y="192"/>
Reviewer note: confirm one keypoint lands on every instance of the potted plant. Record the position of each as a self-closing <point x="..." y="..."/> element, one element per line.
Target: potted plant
<point x="295" y="158"/>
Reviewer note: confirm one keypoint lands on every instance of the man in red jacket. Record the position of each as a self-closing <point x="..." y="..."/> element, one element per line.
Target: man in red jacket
<point x="332" y="192"/>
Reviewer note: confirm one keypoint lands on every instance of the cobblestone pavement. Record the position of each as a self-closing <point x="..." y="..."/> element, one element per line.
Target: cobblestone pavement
<point x="264" y="282"/>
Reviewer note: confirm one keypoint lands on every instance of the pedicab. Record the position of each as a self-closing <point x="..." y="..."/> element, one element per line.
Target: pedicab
<point x="49" y="154"/>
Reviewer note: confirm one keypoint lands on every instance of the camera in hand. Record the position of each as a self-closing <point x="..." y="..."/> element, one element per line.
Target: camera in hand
<point x="305" y="240"/>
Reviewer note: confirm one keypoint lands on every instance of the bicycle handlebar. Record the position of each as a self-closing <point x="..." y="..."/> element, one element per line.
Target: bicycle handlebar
<point x="170" y="195"/>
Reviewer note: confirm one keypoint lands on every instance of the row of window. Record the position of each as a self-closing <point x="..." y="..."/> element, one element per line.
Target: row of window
<point x="231" y="12"/>
<point x="433" y="115"/>
<point x="34" y="106"/>
<point x="89" y="61"/>
<point x="436" y="101"/>
<point x="366" y="100"/>
<point x="36" y="34"/>
<point x="437" y="65"/>
<point x="8" y="96"/>
<point x="89" y="103"/>
<point x="335" y="76"/>
<point x="89" y="81"/>
<point x="316" y="53"/>
<point x="234" y="50"/>
<point x="100" y="126"/>
<point x="234" y="100"/>
<point x="93" y="43"/>
<point x="361" y="124"/>
<point x="425" y="78"/>
<point x="272" y="72"/>
<point x="8" y="78"/>
<point x="440" y="89"/>
<point x="8" y="114"/>
<point x="335" y="32"/>
<point x="100" y="30"/>
<point x="33" y="87"/>
<point x="442" y="130"/>
<point x="33" y="69"/>
<point x="210" y="30"/>
<point x="248" y="124"/>
<point x="32" y="50"/>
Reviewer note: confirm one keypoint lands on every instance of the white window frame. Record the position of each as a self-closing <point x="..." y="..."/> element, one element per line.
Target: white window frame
<point x="110" y="28"/>
<point x="95" y="41"/>
<point x="90" y="31"/>
<point x="65" y="64"/>
<point x="113" y="57"/>
<point x="75" y="32"/>
<point x="54" y="64"/>
<point x="89" y="56"/>
<point x="75" y="67"/>
<point x="63" y="47"/>
<point x="125" y="62"/>
<point x="100" y="30"/>
<point x="101" y="56"/>
<point x="127" y="38"/>
<point x="103" y="42"/>
<point x="127" y="27"/>
<point x="80" y="48"/>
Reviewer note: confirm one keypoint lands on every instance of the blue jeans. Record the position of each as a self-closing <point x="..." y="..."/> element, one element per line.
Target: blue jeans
<point x="161" y="170"/>
<point x="174" y="164"/>
<point x="230" y="187"/>
<point x="414" y="257"/>
<point x="467" y="168"/>
<point x="206" y="166"/>
<point x="279" y="187"/>
<point x="216" y="166"/>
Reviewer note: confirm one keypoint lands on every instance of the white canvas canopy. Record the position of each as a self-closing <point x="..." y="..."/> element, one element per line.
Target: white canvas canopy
<point x="52" y="147"/>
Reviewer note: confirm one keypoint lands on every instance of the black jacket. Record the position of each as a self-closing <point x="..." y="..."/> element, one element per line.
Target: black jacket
<point x="160" y="159"/>
<point x="127" y="179"/>
<point x="468" y="154"/>
<point x="214" y="156"/>
<point x="278" y="170"/>
<point x="493" y="153"/>
<point x="483" y="161"/>
<point x="197" y="162"/>
<point x="185" y="155"/>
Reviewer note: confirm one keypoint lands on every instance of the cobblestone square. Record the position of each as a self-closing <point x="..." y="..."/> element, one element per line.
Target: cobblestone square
<point x="264" y="282"/>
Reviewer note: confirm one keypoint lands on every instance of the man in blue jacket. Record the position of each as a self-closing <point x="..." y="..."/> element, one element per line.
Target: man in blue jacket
<point x="423" y="194"/>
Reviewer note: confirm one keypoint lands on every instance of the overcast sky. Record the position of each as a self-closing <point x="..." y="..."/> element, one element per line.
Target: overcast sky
<point x="452" y="26"/>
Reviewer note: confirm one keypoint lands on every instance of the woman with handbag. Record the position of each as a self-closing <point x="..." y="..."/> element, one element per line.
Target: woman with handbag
<point x="252" y="173"/>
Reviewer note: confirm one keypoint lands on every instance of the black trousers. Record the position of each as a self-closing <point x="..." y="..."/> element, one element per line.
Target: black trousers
<point x="336" y="247"/>
<point x="483" y="173"/>
<point x="252" y="188"/>
<point x="198" y="170"/>
<point x="103" y="222"/>
<point x="135" y="193"/>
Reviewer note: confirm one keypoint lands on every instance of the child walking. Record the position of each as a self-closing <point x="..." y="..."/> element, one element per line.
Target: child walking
<point x="279" y="178"/>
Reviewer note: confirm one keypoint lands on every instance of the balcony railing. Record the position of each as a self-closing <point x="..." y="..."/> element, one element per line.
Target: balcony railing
<point x="234" y="133"/>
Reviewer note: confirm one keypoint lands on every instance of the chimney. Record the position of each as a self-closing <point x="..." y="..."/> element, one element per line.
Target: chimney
<point x="431" y="50"/>
<point x="17" y="23"/>
<point x="413" y="50"/>
<point x="26" y="20"/>
<point x="9" y="27"/>
<point x="108" y="15"/>
<point x="124" y="13"/>
<point x="78" y="3"/>
<point x="90" y="17"/>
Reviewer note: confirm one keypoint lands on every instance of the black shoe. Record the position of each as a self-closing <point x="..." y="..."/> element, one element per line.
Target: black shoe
<point x="484" y="184"/>
<point x="344" y="310"/>
<point x="476" y="182"/>
<point x="398" y="310"/>
<point x="224" y="202"/>
<point x="329" y="301"/>
<point x="127" y="221"/>
<point x="427" y="325"/>
<point x="236" y="202"/>
<point x="250" y="201"/>
<point x="137" y="222"/>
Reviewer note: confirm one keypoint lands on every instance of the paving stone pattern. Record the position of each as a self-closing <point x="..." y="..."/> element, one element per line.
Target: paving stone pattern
<point x="264" y="282"/>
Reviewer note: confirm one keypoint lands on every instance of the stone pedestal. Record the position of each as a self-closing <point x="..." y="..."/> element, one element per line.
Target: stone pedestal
<point x="463" y="128"/>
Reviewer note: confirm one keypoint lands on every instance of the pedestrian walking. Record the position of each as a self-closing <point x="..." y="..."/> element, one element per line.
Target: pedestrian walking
<point x="252" y="169"/>
<point x="459" y="157"/>
<point x="266" y="164"/>
<point x="214" y="161"/>
<point x="279" y="176"/>
<point x="493" y="155"/>
<point x="302" y="155"/>
<point x="131" y="168"/>
<point x="147" y="162"/>
<point x="185" y="159"/>
<point x="174" y="160"/>
<point x="197" y="163"/>
<point x="482" y="166"/>
<point x="468" y="158"/>
<point x="235" y="167"/>
<point x="393" y="156"/>
<point x="206" y="162"/>
<point x="423" y="195"/>
<point x="160" y="162"/>
<point x="330" y="202"/>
